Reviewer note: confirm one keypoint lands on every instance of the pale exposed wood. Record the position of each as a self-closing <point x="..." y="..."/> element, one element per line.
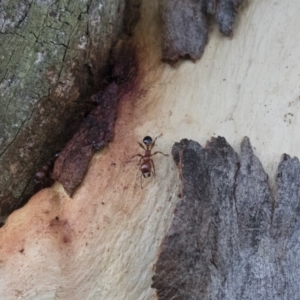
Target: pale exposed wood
<point x="106" y="240"/>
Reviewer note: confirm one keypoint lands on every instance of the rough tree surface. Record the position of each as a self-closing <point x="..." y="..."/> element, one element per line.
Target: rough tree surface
<point x="185" y="25"/>
<point x="53" y="55"/>
<point x="97" y="129"/>
<point x="229" y="238"/>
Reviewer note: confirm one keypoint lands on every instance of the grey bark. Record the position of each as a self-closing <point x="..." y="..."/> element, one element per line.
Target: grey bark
<point x="53" y="55"/>
<point x="230" y="239"/>
<point x="185" y="25"/>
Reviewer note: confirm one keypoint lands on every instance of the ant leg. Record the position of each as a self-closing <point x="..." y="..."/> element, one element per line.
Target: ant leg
<point x="157" y="137"/>
<point x="142" y="175"/>
<point x="140" y="161"/>
<point x="140" y="155"/>
<point x="160" y="153"/>
<point x="153" y="143"/>
<point x="153" y="167"/>
<point x="141" y="181"/>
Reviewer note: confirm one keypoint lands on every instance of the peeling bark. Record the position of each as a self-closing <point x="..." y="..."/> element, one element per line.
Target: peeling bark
<point x="185" y="25"/>
<point x="229" y="238"/>
<point x="97" y="129"/>
<point x="93" y="134"/>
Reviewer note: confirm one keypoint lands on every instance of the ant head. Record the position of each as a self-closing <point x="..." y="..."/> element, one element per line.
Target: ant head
<point x="147" y="140"/>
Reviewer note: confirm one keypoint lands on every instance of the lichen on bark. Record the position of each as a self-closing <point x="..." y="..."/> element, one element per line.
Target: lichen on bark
<point x="53" y="56"/>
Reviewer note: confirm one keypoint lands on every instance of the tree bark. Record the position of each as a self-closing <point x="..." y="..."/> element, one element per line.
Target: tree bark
<point x="230" y="239"/>
<point x="53" y="57"/>
<point x="104" y="242"/>
<point x="185" y="25"/>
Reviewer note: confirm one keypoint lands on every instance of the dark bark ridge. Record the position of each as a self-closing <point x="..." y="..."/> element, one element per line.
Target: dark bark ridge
<point x="94" y="133"/>
<point x="229" y="238"/>
<point x="185" y="25"/>
<point x="97" y="129"/>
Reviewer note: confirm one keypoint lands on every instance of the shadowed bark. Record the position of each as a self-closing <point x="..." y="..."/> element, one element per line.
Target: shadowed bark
<point x="54" y="55"/>
<point x="93" y="134"/>
<point x="229" y="238"/>
<point x="97" y="129"/>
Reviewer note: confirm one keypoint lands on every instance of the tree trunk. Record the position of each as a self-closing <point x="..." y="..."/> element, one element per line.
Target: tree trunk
<point x="53" y="57"/>
<point x="111" y="238"/>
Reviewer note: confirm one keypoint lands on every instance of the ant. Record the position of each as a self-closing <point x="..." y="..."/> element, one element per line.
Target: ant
<point x="146" y="163"/>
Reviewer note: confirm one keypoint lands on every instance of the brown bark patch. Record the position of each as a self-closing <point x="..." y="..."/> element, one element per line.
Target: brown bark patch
<point x="97" y="129"/>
